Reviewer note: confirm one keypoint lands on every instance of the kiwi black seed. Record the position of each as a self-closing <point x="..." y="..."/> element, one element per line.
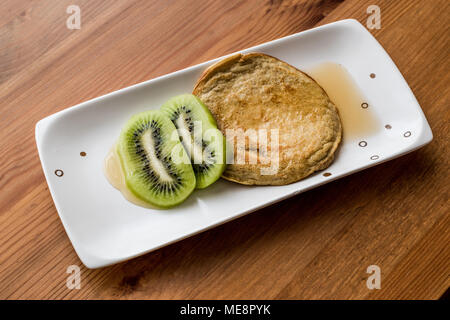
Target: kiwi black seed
<point x="145" y="148"/>
<point x="205" y="148"/>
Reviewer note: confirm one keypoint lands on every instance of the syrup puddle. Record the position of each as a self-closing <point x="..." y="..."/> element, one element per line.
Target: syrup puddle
<point x="114" y="173"/>
<point x="356" y="117"/>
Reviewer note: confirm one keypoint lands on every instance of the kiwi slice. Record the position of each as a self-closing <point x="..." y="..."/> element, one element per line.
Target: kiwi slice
<point x="198" y="132"/>
<point x="156" y="167"/>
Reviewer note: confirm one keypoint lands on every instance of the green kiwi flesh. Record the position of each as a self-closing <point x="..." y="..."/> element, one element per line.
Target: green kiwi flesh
<point x="146" y="146"/>
<point x="205" y="145"/>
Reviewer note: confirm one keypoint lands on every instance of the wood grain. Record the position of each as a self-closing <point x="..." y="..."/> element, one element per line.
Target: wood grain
<point x="315" y="245"/>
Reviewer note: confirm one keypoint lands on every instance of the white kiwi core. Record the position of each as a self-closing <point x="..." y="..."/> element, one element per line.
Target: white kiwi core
<point x="148" y="143"/>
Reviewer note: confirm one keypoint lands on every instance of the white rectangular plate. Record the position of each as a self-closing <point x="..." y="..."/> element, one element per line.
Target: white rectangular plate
<point x="105" y="228"/>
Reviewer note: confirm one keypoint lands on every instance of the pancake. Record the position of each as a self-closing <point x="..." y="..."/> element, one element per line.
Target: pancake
<point x="256" y="93"/>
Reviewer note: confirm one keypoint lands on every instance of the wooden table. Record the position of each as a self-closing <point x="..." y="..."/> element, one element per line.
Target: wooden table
<point x="315" y="245"/>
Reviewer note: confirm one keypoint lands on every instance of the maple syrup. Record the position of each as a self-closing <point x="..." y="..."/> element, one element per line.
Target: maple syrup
<point x="354" y="109"/>
<point x="114" y="173"/>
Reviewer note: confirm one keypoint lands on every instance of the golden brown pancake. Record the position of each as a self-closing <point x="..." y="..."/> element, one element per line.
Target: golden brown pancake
<point x="256" y="91"/>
